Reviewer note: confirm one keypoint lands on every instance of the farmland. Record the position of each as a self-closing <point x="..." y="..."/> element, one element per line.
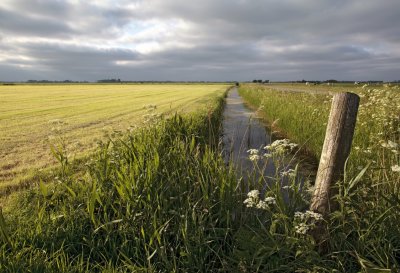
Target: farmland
<point x="34" y="116"/>
<point x="161" y="198"/>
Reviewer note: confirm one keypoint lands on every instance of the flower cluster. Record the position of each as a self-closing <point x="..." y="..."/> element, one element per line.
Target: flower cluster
<point x="396" y="168"/>
<point x="254" y="156"/>
<point x="281" y="146"/>
<point x="306" y="221"/>
<point x="253" y="201"/>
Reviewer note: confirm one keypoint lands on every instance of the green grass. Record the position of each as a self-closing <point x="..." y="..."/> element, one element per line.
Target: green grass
<point x="82" y="114"/>
<point x="363" y="230"/>
<point x="302" y="116"/>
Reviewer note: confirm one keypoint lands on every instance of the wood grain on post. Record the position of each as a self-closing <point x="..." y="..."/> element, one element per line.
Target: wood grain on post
<point x="336" y="149"/>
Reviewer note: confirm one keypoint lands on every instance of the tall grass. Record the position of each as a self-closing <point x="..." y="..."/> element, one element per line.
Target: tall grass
<point x="362" y="231"/>
<point x="159" y="199"/>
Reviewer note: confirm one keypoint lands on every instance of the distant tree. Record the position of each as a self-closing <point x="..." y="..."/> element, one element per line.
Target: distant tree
<point x="266" y="81"/>
<point x="332" y="81"/>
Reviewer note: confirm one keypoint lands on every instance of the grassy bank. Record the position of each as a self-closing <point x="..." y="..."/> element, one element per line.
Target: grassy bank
<point x="302" y="116"/>
<point x="369" y="197"/>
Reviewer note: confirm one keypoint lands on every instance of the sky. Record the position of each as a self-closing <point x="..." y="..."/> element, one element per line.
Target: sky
<point x="207" y="40"/>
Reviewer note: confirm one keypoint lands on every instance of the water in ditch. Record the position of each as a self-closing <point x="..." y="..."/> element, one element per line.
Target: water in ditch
<point x="242" y="131"/>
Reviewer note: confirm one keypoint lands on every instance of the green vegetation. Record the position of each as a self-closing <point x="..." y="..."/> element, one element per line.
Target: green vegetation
<point x="31" y="116"/>
<point x="364" y="227"/>
<point x="161" y="199"/>
<point x="302" y="116"/>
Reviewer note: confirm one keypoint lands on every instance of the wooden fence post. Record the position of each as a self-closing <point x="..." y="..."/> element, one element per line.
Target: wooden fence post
<point x="336" y="149"/>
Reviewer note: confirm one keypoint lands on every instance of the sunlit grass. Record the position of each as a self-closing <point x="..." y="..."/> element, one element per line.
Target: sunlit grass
<point x="30" y="114"/>
<point x="362" y="233"/>
<point x="303" y="116"/>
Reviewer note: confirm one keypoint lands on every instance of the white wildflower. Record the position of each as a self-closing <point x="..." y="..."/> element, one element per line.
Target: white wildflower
<point x="396" y="168"/>
<point x="262" y="205"/>
<point x="253" y="154"/>
<point x="280" y="146"/>
<point x="301" y="228"/>
<point x="254" y="157"/>
<point x="299" y="215"/>
<point x="270" y="200"/>
<point x="308" y="215"/>
<point x="253" y="151"/>
<point x="252" y="198"/>
<point x="266" y="155"/>
<point x="249" y="203"/>
<point x="314" y="215"/>
<point x="253" y="194"/>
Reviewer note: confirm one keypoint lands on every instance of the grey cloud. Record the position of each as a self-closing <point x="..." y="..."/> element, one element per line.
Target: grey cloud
<point x="235" y="39"/>
<point x="13" y="24"/>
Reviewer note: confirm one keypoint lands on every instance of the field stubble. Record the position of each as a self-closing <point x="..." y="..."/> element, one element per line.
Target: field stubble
<point x="33" y="116"/>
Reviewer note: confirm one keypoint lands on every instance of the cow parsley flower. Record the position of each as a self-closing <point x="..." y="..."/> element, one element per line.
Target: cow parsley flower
<point x="253" y="151"/>
<point x="302" y="228"/>
<point x="306" y="220"/>
<point x="396" y="168"/>
<point x="252" y="198"/>
<point x="254" y="154"/>
<point x="254" y="157"/>
<point x="270" y="200"/>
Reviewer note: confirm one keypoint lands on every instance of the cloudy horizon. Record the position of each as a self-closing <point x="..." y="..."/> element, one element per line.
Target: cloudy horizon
<point x="178" y="40"/>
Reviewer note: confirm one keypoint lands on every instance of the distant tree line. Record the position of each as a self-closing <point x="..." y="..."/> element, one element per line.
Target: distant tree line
<point x="260" y="81"/>
<point x="109" y="81"/>
<point x="47" y="81"/>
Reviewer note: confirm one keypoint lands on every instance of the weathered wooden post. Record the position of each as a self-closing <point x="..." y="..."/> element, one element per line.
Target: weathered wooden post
<point x="336" y="149"/>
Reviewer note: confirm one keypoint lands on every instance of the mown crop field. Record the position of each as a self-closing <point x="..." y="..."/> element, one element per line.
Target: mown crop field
<point x="32" y="117"/>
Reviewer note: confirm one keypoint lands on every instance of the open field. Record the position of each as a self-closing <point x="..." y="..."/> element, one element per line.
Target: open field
<point x="81" y="114"/>
<point x="162" y="199"/>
